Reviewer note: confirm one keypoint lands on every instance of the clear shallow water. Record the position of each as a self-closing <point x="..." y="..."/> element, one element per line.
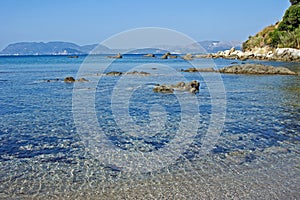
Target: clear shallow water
<point x="42" y="154"/>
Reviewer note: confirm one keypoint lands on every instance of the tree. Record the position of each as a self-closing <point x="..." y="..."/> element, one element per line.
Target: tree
<point x="293" y="2"/>
<point x="291" y="19"/>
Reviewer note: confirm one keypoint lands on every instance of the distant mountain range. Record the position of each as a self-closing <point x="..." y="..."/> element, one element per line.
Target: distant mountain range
<point x="68" y="48"/>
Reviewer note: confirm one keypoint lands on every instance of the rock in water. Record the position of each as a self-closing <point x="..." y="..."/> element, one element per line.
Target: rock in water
<point x="142" y="73"/>
<point x="165" y="56"/>
<point x="188" y="57"/>
<point x="192" y="69"/>
<point x="173" y="56"/>
<point x="114" y="73"/>
<point x="193" y="87"/>
<point x="69" y="79"/>
<point x="163" y="89"/>
<point x="82" y="80"/>
<point x="256" y="69"/>
<point x="149" y="55"/>
<point x="180" y="85"/>
<point x="116" y="56"/>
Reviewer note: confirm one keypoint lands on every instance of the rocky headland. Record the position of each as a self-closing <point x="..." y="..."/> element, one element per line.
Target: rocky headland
<point x="278" y="42"/>
<point x="258" y="53"/>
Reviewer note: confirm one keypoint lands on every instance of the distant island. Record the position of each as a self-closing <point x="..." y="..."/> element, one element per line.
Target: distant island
<point x="68" y="48"/>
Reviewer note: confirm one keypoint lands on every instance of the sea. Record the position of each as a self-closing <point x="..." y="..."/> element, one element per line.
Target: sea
<point x="113" y="137"/>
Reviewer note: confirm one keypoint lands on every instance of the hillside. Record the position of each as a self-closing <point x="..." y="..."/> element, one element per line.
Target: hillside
<point x="41" y="48"/>
<point x="284" y="34"/>
<point x="67" y="48"/>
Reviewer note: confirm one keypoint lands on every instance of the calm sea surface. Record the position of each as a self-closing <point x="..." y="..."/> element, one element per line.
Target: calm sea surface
<point x="46" y="137"/>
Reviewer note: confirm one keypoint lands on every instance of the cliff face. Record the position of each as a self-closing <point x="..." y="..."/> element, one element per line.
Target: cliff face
<point x="284" y="34"/>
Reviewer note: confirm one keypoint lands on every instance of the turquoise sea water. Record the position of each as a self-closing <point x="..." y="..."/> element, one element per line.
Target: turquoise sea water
<point x="45" y="155"/>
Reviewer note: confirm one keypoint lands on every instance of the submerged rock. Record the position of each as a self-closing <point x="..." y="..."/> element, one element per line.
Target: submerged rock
<point x="52" y="80"/>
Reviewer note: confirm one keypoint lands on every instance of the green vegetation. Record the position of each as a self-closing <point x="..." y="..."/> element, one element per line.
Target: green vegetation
<point x="293" y="2"/>
<point x="285" y="33"/>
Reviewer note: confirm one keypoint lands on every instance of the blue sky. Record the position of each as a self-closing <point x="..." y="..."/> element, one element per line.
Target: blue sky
<point x="92" y="21"/>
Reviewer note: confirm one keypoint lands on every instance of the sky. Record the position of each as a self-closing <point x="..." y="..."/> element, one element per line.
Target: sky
<point x="92" y="21"/>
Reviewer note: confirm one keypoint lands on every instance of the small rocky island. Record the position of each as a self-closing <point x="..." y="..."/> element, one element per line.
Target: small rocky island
<point x="192" y="87"/>
<point x="257" y="69"/>
<point x="254" y="69"/>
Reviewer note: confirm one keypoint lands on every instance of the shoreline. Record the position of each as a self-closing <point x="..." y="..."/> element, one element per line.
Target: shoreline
<point x="264" y="54"/>
<point x="279" y="54"/>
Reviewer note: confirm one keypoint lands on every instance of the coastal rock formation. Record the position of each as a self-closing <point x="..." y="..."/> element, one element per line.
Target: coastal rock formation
<point x="264" y="53"/>
<point x="283" y="34"/>
<point x="279" y="41"/>
<point x="256" y="69"/>
<point x="287" y="54"/>
<point x="118" y="56"/>
<point x="193" y="87"/>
